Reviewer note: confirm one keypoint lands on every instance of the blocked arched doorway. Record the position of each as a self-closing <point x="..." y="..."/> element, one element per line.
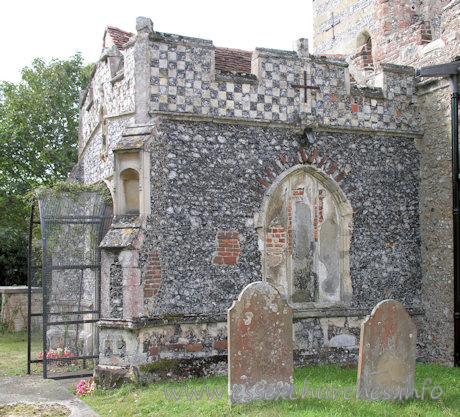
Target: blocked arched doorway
<point x="304" y="229"/>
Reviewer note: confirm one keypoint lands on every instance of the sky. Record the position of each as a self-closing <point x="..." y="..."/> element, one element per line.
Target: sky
<point x="57" y="29"/>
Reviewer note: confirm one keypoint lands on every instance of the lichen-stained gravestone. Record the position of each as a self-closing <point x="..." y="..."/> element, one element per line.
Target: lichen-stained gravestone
<point x="387" y="352"/>
<point x="260" y="348"/>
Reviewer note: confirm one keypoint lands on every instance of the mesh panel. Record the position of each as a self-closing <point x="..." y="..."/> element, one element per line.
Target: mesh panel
<point x="72" y="226"/>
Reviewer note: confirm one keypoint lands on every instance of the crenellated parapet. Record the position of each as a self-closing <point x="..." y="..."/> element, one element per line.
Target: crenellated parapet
<point x="190" y="79"/>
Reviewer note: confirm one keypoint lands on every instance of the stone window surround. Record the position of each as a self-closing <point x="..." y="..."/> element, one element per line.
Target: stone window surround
<point x="138" y="160"/>
<point x="345" y="212"/>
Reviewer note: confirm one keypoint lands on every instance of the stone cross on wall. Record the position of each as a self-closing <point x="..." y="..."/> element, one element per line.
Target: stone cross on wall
<point x="305" y="86"/>
<point x="333" y="25"/>
<point x="260" y="344"/>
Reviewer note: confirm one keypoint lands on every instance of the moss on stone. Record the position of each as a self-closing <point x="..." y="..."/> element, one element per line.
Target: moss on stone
<point x="72" y="188"/>
<point x="172" y="316"/>
<point x="160" y="367"/>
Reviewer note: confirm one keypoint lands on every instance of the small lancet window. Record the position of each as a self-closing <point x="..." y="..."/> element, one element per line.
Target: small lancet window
<point x="130" y="186"/>
<point x="364" y="54"/>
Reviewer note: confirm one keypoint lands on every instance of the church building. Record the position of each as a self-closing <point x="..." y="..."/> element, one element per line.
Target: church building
<point x="324" y="171"/>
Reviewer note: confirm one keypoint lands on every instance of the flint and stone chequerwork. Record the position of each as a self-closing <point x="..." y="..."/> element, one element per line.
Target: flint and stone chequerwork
<point x="224" y="170"/>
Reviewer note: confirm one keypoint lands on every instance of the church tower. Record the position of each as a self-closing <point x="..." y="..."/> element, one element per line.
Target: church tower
<point x="412" y="34"/>
<point x="373" y="31"/>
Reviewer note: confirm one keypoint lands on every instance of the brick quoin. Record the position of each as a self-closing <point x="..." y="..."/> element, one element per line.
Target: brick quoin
<point x="318" y="220"/>
<point x="363" y="58"/>
<point x="152" y="275"/>
<point x="228" y="248"/>
<point x="296" y="195"/>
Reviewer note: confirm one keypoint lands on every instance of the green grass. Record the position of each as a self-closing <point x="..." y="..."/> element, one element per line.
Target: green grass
<point x="130" y="400"/>
<point x="13" y="353"/>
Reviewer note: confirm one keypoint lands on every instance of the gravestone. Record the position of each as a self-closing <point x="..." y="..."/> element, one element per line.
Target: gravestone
<point x="387" y="352"/>
<point x="260" y="358"/>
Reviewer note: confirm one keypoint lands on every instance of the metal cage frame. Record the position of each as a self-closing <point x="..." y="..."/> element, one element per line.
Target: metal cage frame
<point x="56" y="215"/>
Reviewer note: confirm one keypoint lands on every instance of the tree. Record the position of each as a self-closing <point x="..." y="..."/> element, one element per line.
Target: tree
<point x="38" y="142"/>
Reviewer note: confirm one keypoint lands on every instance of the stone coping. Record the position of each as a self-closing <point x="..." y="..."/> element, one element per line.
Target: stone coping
<point x="119" y="238"/>
<point x="204" y="118"/>
<point x="235" y="77"/>
<point x="298" y="314"/>
<point x="19" y="289"/>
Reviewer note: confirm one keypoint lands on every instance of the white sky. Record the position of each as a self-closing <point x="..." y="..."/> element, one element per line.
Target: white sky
<point x="50" y="28"/>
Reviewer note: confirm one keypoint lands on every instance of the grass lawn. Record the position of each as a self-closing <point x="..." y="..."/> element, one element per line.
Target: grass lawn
<point x="151" y="400"/>
<point x="131" y="400"/>
<point x="13" y="354"/>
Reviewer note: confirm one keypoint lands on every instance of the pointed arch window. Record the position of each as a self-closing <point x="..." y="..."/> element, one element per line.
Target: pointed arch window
<point x="305" y="228"/>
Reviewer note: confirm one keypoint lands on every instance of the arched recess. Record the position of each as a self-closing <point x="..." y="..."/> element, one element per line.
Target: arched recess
<point x="129" y="179"/>
<point x="304" y="228"/>
<point x="362" y="39"/>
<point x="131" y="182"/>
<point x="363" y="57"/>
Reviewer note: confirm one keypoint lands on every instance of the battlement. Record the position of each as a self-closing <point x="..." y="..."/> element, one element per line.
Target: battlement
<point x="186" y="80"/>
<point x="191" y="78"/>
